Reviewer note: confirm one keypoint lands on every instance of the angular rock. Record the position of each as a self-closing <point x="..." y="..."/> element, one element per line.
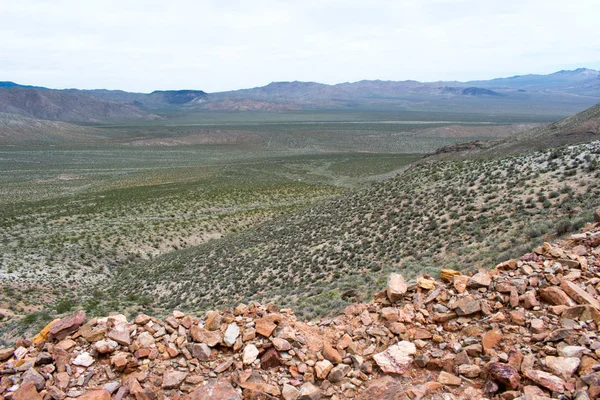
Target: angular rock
<point x="396" y="287"/>
<point x="95" y="395"/>
<point x="480" y="280"/>
<point x="549" y="381"/>
<point x="27" y="391"/>
<point x="31" y="375"/>
<point x="270" y="359"/>
<point x="491" y="339"/>
<point x="173" y="379"/>
<point x="504" y="374"/>
<point x="322" y="369"/>
<point x="447" y="275"/>
<point x="66" y="326"/>
<point x="231" y="335"/>
<point x="201" y="335"/>
<point x="308" y="391"/>
<point x="250" y="354"/>
<point x="120" y="334"/>
<point x="219" y="390"/>
<point x="555" y="296"/>
<point x="467" y="306"/>
<point x="563" y="367"/>
<point x="201" y="351"/>
<point x="289" y="392"/>
<point x="446" y="378"/>
<point x="338" y="373"/>
<point x="579" y="295"/>
<point x="397" y="358"/>
<point x="266" y="325"/>
<point x="331" y="354"/>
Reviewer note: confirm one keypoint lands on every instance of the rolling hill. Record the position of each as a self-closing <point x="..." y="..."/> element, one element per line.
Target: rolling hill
<point x="438" y="214"/>
<point x="20" y="130"/>
<point x="62" y="105"/>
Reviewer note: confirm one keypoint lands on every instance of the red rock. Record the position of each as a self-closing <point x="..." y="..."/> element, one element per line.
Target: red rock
<point x="331" y="354"/>
<point x="467" y="306"/>
<point x="27" y="391"/>
<point x="546" y="380"/>
<point x="201" y="335"/>
<point x="95" y="395"/>
<point x="504" y="374"/>
<point x="480" y="279"/>
<point x="555" y="296"/>
<point x="579" y="295"/>
<point x="529" y="300"/>
<point x="270" y="359"/>
<point x="220" y="390"/>
<point x="266" y="325"/>
<point x="172" y="379"/>
<point x="397" y="358"/>
<point x="66" y="326"/>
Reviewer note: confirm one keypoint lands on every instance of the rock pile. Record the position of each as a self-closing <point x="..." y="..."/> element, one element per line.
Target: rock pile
<point x="527" y="329"/>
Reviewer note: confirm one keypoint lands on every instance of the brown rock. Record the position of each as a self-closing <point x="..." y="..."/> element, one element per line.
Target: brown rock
<point x="322" y="369"/>
<point x="396" y="287"/>
<point x="270" y="359"/>
<point x="213" y="320"/>
<point x="491" y="339"/>
<point x="555" y="296"/>
<point x="470" y="371"/>
<point x="446" y="378"/>
<point x="597" y="216"/>
<point x="460" y="283"/>
<point x="331" y="354"/>
<point x="546" y="380"/>
<point x="504" y="374"/>
<point x="66" y="326"/>
<point x="308" y="391"/>
<point x="201" y="335"/>
<point x="338" y="373"/>
<point x="120" y="334"/>
<point x="467" y="306"/>
<point x="27" y="391"/>
<point x="529" y="300"/>
<point x="266" y="325"/>
<point x="7" y="353"/>
<point x="564" y="367"/>
<point x="201" y="351"/>
<point x="31" y="375"/>
<point x="479" y="280"/>
<point x="95" y="395"/>
<point x="172" y="379"/>
<point x="579" y="295"/>
<point x="219" y="390"/>
<point x="281" y="344"/>
<point x="384" y="388"/>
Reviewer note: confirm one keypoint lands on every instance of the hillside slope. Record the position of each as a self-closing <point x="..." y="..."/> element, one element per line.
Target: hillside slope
<point x="526" y="329"/>
<point x="64" y="106"/>
<point x="461" y="214"/>
<point x="19" y="130"/>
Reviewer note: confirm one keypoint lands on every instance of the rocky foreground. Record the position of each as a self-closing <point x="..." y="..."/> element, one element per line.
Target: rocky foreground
<point x="526" y="330"/>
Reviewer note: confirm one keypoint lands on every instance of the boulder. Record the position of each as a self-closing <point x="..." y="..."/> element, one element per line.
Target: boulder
<point x="396" y="287"/>
<point x="63" y="328"/>
<point x="397" y="358"/>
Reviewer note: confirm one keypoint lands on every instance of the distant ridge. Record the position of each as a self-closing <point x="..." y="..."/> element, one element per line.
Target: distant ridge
<point x="561" y="93"/>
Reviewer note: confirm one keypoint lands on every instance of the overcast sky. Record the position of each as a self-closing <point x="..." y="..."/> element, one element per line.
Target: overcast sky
<point x="214" y="45"/>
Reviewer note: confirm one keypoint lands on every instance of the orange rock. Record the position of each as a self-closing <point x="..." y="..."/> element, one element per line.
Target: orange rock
<point x="44" y="333"/>
<point x="95" y="395"/>
<point x="491" y="339"/>
<point x="266" y="325"/>
<point x="27" y="391"/>
<point x="331" y="354"/>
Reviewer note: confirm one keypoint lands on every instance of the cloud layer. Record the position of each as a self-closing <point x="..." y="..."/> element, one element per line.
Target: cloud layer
<point x="142" y="45"/>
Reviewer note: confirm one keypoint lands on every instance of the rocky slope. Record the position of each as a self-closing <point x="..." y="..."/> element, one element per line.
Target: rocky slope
<point x="527" y="329"/>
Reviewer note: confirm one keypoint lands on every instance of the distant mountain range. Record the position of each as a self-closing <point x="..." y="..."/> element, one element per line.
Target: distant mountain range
<point x="561" y="93"/>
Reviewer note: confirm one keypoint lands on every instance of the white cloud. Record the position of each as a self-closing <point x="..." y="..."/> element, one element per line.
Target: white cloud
<point x="147" y="45"/>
